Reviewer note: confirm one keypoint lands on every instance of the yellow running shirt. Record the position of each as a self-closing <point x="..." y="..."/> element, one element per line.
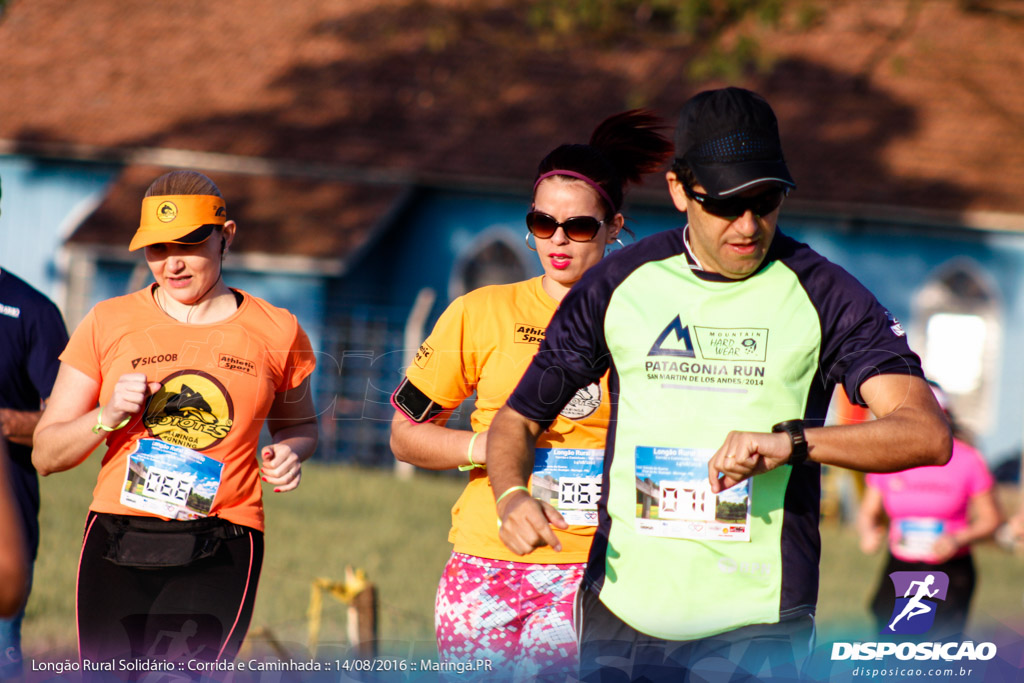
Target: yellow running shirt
<point x="484" y="341"/>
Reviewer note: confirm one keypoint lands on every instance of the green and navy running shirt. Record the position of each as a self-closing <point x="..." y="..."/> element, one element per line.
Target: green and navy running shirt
<point x="692" y="356"/>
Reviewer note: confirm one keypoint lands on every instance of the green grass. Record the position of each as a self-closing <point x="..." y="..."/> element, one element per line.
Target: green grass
<point x="396" y="531"/>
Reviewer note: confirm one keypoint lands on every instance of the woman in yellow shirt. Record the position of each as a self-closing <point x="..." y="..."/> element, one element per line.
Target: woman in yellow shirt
<point x="490" y="604"/>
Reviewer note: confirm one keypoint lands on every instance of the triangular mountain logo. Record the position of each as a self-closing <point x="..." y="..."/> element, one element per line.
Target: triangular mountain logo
<point x="674" y="341"/>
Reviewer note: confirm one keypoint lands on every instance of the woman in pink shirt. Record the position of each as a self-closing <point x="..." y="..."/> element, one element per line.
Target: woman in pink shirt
<point x="935" y="514"/>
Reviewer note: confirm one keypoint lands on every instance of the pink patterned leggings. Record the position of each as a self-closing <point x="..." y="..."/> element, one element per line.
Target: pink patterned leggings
<point x="515" y="615"/>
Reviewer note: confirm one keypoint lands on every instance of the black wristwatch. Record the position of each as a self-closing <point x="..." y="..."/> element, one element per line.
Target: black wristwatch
<point x="795" y="429"/>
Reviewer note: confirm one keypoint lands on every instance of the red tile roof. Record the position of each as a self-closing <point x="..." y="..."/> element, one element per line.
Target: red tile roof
<point x="878" y="104"/>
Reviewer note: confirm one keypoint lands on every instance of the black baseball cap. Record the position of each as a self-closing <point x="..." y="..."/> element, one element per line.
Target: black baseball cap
<point x="730" y="140"/>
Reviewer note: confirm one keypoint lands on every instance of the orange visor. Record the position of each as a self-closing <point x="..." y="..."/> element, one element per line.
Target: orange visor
<point x="169" y="218"/>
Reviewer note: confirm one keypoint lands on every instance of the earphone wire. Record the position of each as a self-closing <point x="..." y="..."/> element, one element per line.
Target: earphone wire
<point x="192" y="306"/>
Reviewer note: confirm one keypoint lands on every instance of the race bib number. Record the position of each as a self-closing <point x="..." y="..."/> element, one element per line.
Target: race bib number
<point x="674" y="498"/>
<point x="569" y="479"/>
<point x="170" y="481"/>
<point x="917" y="537"/>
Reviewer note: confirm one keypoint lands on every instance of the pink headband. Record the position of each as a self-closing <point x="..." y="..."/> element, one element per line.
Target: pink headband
<point x="580" y="176"/>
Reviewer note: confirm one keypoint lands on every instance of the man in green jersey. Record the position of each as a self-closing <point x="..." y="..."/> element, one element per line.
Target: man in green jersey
<point x="723" y="341"/>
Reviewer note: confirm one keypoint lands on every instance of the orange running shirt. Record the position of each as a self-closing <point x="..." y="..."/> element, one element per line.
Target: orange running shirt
<point x="484" y="341"/>
<point x="193" y="450"/>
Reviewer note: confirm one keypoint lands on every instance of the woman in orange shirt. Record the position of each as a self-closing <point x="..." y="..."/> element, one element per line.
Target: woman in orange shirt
<point x="177" y="379"/>
<point x="490" y="604"/>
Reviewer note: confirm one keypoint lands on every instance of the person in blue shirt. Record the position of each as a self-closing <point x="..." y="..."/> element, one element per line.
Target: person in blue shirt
<point x="32" y="335"/>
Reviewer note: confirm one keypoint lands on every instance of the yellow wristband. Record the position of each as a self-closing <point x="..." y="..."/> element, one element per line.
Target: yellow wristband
<point x="510" y="490"/>
<point x="99" y="424"/>
<point x="469" y="455"/>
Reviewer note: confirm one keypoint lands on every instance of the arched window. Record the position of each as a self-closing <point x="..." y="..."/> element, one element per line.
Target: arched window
<point x="496" y="258"/>
<point x="958" y="331"/>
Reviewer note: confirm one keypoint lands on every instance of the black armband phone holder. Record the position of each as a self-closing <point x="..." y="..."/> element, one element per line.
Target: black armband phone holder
<point x="414" y="404"/>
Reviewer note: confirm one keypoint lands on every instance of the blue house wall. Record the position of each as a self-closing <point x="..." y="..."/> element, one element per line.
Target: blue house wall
<point x="439" y="229"/>
<point x="894" y="260"/>
<point x="40" y="201"/>
<point x="423" y="244"/>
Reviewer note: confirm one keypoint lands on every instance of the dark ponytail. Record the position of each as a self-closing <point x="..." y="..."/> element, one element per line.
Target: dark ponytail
<point x="621" y="150"/>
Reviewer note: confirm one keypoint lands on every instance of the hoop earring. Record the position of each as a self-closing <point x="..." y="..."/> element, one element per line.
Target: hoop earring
<point x="610" y="250"/>
<point x="528" y="245"/>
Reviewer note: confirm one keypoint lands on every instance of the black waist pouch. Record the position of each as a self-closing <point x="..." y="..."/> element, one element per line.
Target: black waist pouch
<point x="149" y="543"/>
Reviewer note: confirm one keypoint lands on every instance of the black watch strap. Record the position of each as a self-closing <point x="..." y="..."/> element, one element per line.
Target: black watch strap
<point x="795" y="429"/>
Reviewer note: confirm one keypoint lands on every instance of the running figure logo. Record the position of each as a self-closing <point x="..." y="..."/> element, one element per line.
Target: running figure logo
<point x="914" y="612"/>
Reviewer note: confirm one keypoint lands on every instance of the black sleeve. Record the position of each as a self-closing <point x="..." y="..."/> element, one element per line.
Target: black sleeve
<point x="860" y="338"/>
<point x="573" y="354"/>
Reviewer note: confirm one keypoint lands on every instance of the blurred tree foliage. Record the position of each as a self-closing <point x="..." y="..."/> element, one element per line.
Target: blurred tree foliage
<point x="723" y="33"/>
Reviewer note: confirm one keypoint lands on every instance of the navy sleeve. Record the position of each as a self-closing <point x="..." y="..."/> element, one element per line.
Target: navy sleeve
<point x="47" y="338"/>
<point x="573" y="353"/>
<point x="860" y="338"/>
<point x="32" y="336"/>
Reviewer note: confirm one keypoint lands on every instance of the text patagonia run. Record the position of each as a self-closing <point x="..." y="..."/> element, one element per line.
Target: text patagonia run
<point x="948" y="652"/>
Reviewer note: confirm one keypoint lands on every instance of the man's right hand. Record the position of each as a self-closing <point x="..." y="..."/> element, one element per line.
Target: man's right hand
<point x="525" y="523"/>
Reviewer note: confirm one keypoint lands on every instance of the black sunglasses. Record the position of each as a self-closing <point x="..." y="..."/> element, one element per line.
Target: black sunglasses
<point x="577" y="228"/>
<point x="734" y="207"/>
